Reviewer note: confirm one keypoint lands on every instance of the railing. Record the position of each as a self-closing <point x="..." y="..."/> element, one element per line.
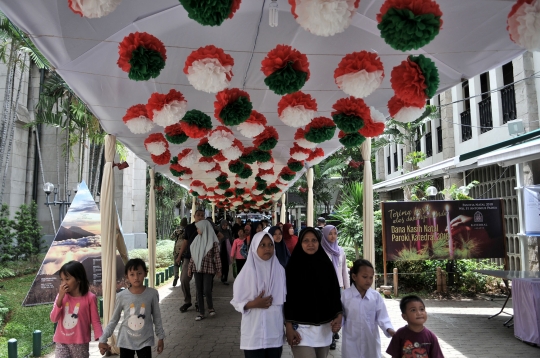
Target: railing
<point x="439" y="140"/>
<point x="466" y="130"/>
<point x="486" y="119"/>
<point x="429" y="145"/>
<point x="508" y="96"/>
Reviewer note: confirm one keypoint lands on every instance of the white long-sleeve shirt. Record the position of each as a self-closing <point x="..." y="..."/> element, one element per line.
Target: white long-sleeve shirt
<point x="362" y="318"/>
<point x="260" y="328"/>
<point x="342" y="271"/>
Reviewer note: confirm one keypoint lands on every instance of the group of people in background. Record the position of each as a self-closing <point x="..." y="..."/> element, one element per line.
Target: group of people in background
<point x="287" y="288"/>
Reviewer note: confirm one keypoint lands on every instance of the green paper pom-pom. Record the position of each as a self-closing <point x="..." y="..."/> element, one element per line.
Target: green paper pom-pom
<point x="404" y="31"/>
<point x="261" y="186"/>
<point x="194" y="193"/>
<point x="430" y="72"/>
<point x="224" y="186"/>
<point x="253" y="202"/>
<point x="174" y="160"/>
<point x="145" y="64"/>
<point x="261" y="156"/>
<point x="246" y="172"/>
<point x="177" y="139"/>
<point x="228" y="194"/>
<point x="239" y="191"/>
<point x="207" y="150"/>
<point x="236" y="167"/>
<point x="275" y="190"/>
<point x="286" y="80"/>
<point x="208" y="12"/>
<point x="321" y="134"/>
<point x="295" y="166"/>
<point x="268" y="191"/>
<point x="198" y="118"/>
<point x="258" y="179"/>
<point x="176" y="173"/>
<point x="222" y="179"/>
<point x="268" y="144"/>
<point x="236" y="112"/>
<point x="348" y="123"/>
<point x="265" y="198"/>
<point x="287" y="177"/>
<point x="352" y="140"/>
<point x="248" y="158"/>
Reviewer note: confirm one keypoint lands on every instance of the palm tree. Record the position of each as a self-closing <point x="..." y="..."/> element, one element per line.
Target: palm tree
<point x="349" y="211"/>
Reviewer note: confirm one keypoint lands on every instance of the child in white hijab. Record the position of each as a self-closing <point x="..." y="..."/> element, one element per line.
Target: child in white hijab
<point x="259" y="292"/>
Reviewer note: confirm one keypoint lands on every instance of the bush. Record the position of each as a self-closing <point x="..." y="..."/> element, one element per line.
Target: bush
<point x="349" y="253"/>
<point x="6" y="273"/>
<point x="164" y="253"/>
<point x="3" y="310"/>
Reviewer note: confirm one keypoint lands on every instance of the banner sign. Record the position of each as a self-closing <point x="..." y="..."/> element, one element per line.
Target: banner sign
<point x="79" y="239"/>
<point x="418" y="230"/>
<point x="531" y="198"/>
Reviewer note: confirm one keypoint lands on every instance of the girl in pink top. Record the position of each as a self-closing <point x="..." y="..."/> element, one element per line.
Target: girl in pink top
<point x="75" y="309"/>
<point x="236" y="249"/>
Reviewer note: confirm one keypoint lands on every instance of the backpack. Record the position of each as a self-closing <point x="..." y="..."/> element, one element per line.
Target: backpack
<point x="244" y="250"/>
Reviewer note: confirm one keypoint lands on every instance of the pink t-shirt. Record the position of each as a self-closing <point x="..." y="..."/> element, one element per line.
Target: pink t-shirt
<point x="235" y="251"/>
<point x="74" y="319"/>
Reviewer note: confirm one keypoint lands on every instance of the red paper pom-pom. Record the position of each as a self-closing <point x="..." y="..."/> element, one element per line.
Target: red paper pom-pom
<point x="281" y="55"/>
<point x="210" y="51"/>
<point x="138" y="110"/>
<point x="219" y="157"/>
<point x="131" y="42"/>
<point x="297" y="99"/>
<point x="158" y="100"/>
<point x="194" y="131"/>
<point x="225" y="97"/>
<point x="174" y="130"/>
<point x="418" y="7"/>
<point x="352" y="107"/>
<point x="161" y="159"/>
<point x="320" y="122"/>
<point x="269" y="132"/>
<point x="408" y="83"/>
<point x="357" y="61"/>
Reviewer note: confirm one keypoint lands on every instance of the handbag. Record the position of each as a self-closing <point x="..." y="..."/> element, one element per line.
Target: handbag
<point x="244" y="250"/>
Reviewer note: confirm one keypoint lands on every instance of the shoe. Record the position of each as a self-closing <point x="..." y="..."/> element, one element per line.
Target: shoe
<point x="175" y="281"/>
<point x="199" y="318"/>
<point x="211" y="313"/>
<point x="196" y="307"/>
<point x="333" y="345"/>
<point x="336" y="336"/>
<point x="185" y="307"/>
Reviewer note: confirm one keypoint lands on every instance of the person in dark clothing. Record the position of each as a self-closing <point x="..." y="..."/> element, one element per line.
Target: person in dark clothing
<point x="225" y="237"/>
<point x="237" y="226"/>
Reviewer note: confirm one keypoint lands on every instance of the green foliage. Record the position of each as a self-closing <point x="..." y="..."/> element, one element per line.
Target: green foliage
<point x="404" y="31"/>
<point x="164" y="253"/>
<point x="6" y="234"/>
<point x="350" y="254"/>
<point x="430" y="73"/>
<point x="24" y="229"/>
<point x="208" y="12"/>
<point x="457" y="193"/>
<point x="145" y="64"/>
<point x="3" y="309"/>
<point x="6" y="273"/>
<point x="414" y="158"/>
<point x="236" y="112"/>
<point x="348" y="123"/>
<point x="286" y="80"/>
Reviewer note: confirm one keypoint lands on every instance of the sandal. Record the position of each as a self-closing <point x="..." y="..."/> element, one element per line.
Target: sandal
<point x="199" y="318"/>
<point x="212" y="312"/>
<point x="185" y="307"/>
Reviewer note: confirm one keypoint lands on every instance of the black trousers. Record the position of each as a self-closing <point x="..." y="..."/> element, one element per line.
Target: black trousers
<point x="264" y="353"/>
<point x="239" y="264"/>
<point x="145" y="352"/>
<point x="224" y="256"/>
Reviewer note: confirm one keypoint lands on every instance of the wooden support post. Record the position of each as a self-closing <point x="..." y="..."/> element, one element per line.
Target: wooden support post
<point x="395" y="282"/>
<point x="439" y="281"/>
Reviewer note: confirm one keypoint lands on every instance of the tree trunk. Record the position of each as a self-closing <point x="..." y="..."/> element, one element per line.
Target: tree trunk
<point x="43" y="175"/>
<point x="98" y="171"/>
<point x="68" y="150"/>
<point x="8" y="96"/>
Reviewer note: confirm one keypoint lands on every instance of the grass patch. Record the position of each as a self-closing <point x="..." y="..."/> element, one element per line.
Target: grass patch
<point x="22" y="321"/>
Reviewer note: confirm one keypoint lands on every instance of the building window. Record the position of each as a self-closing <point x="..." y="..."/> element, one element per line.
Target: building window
<point x="395" y="161"/>
<point x="402" y="161"/>
<point x="417" y="145"/>
<point x="439" y="139"/>
<point x="429" y="145"/>
<point x="466" y="130"/>
<point x="388" y="165"/>
<point x="508" y="95"/>
<point x="466" y="95"/>
<point x="484" y="106"/>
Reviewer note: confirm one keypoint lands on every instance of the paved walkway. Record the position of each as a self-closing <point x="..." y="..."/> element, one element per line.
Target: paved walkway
<point x="462" y="327"/>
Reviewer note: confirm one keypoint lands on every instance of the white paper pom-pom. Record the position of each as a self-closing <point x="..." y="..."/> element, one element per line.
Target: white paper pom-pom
<point x="268" y="177"/>
<point x="240" y="185"/>
<point x="250" y="130"/>
<point x="377" y="116"/>
<point x="407" y="114"/>
<point x="140" y="125"/>
<point x="304" y="143"/>
<point x="266" y="165"/>
<point x="241" y="180"/>
<point x="203" y="165"/>
<point x="315" y="161"/>
<point x="299" y="155"/>
<point x="189" y="159"/>
<point x="221" y="138"/>
<point x="232" y="153"/>
<point x="260" y="202"/>
<point x="524" y="26"/>
<point x="170" y="114"/>
<point x="360" y="84"/>
<point x="156" y="148"/>
<point x="297" y="116"/>
<point x="256" y="192"/>
<point x="93" y="8"/>
<point x="186" y="176"/>
<point x="185" y="182"/>
<point x="219" y="191"/>
<point x="324" y="17"/>
<point x="213" y="173"/>
<point x="209" y="75"/>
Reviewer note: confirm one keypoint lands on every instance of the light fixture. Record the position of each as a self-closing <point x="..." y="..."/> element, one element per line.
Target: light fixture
<point x="515" y="127"/>
<point x="431" y="191"/>
<point x="48" y="188"/>
<point x="77" y="188"/>
<point x="273" y="10"/>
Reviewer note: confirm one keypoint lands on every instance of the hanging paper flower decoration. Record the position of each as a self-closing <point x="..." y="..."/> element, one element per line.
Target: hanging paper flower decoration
<point x="373" y="125"/>
<point x="315" y="157"/>
<point x="248" y="155"/>
<point x="254" y="125"/>
<point x="267" y="140"/>
<point x="286" y="69"/>
<point x="262" y="156"/>
<point x="409" y="24"/>
<point x="524" y="24"/>
<point x="184" y="182"/>
<point x="198" y="187"/>
<point x="297" y="109"/>
<point x="376" y="115"/>
<point x="142" y="56"/>
<point x="320" y="129"/>
<point x="221" y="138"/>
<point x="235" y="151"/>
<point x="258" y="188"/>
<point x="299" y="153"/>
<point x="246" y="172"/>
<point x="240" y="184"/>
<point x="156" y="144"/>
<point x="196" y="124"/>
<point x="175" y="134"/>
<point x="229" y="193"/>
<point x="240" y="179"/>
<point x="224" y="185"/>
<point x="161" y="159"/>
<point x="239" y="191"/>
<point x="403" y="112"/>
<point x="166" y="109"/>
<point x="295" y="165"/>
<point x="210" y="12"/>
<point x="272" y="189"/>
<point x="300" y="138"/>
<point x="258" y="179"/>
<point x="219" y="157"/>
<point x="206" y="149"/>
<point x="415" y="79"/>
<point x="266" y="175"/>
<point x="350" y="140"/>
<point x="287" y="174"/>
<point x="236" y="166"/>
<point x="215" y="171"/>
<point x="350" y="114"/>
<point x="220" y="191"/>
<point x="222" y="178"/>
<point x="323" y="17"/>
<point x="136" y="119"/>
<point x="205" y="163"/>
<point x="93" y="9"/>
<point x="187" y="158"/>
<point x="359" y="73"/>
<point x="232" y="106"/>
<point x="177" y="170"/>
<point x="209" y="69"/>
<point x="267" y="165"/>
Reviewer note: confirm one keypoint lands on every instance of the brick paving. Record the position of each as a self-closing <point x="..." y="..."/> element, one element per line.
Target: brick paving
<point x="462" y="327"/>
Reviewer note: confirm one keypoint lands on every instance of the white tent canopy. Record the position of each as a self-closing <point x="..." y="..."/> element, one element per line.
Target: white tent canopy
<point x="84" y="52"/>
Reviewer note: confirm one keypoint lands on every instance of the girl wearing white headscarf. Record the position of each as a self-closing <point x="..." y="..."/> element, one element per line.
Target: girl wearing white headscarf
<point x="204" y="264"/>
<point x="259" y="293"/>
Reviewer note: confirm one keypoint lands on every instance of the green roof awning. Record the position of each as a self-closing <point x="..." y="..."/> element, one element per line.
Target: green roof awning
<point x="506" y="143"/>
